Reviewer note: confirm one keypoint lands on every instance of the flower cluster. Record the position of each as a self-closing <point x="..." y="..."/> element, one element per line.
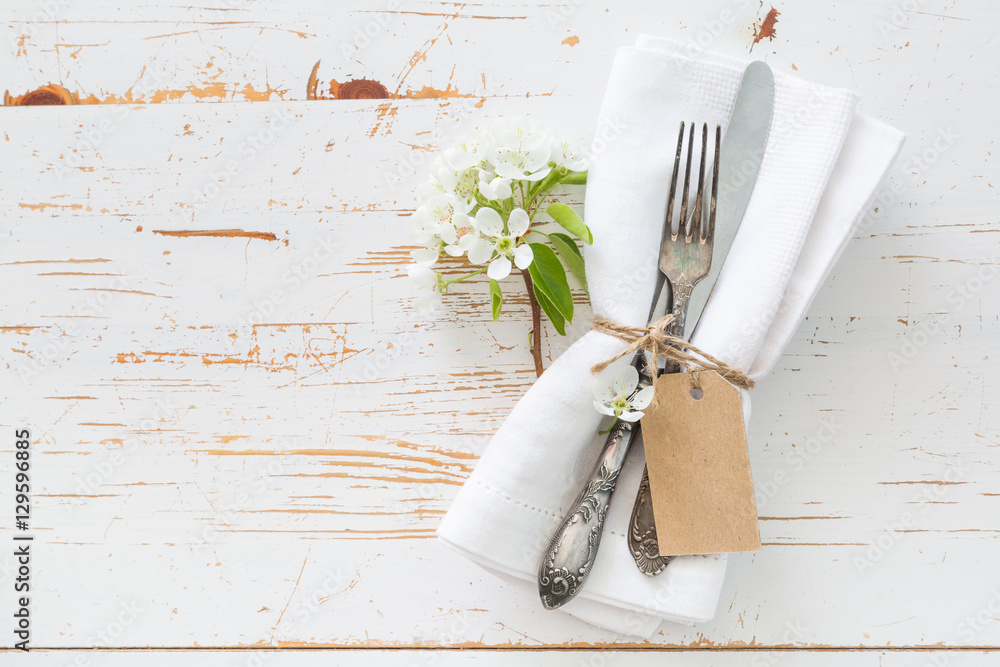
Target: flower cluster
<point x="483" y="201"/>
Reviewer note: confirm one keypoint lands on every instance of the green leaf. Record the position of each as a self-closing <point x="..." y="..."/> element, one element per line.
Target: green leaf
<point x="549" y="278"/>
<point x="496" y="299"/>
<point x="570" y="221"/>
<point x="571" y="256"/>
<point x="557" y="320"/>
<point x="575" y="178"/>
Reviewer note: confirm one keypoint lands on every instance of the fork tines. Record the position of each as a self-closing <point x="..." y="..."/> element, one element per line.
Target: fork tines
<point x="686" y="224"/>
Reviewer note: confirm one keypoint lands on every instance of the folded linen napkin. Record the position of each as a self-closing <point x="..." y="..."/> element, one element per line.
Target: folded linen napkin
<point x="822" y="163"/>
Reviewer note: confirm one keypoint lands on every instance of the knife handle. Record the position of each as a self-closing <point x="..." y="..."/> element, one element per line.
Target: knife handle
<point x="643" y="543"/>
<point x="570" y="556"/>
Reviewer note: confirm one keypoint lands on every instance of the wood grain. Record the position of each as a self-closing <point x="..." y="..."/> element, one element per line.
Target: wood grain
<point x="247" y="437"/>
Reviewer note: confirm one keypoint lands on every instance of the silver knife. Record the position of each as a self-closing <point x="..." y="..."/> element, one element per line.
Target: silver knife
<point x="740" y="158"/>
<point x="571" y="553"/>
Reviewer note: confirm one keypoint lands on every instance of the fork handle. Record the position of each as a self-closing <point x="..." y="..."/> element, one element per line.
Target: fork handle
<point x="570" y="556"/>
<point x="679" y="294"/>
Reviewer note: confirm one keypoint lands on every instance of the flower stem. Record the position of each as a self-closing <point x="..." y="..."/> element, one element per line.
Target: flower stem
<point x="536" y="324"/>
<point x="540" y="197"/>
<point x="455" y="280"/>
<point x="542" y="188"/>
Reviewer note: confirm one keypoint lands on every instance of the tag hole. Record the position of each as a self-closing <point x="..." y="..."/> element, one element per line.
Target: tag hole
<point x="697" y="393"/>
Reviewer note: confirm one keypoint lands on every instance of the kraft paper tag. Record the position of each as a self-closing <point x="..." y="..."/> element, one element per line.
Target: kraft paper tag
<point x="699" y="466"/>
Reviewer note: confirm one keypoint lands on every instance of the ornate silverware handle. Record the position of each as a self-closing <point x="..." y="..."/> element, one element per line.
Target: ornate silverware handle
<point x="643" y="542"/>
<point x="570" y="556"/>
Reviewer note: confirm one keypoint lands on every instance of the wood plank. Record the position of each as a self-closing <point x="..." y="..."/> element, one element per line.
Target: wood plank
<point x="553" y="658"/>
<point x="211" y="452"/>
<point x="264" y="51"/>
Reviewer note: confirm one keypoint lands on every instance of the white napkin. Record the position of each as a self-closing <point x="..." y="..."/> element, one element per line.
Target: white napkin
<point x="821" y="166"/>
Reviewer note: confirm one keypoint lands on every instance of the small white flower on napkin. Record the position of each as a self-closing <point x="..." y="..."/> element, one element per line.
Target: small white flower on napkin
<point x="615" y="394"/>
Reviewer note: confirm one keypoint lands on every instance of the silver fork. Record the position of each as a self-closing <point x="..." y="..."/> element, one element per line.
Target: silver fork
<point x="685" y="258"/>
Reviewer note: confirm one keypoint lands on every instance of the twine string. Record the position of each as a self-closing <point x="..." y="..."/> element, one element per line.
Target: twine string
<point x="654" y="339"/>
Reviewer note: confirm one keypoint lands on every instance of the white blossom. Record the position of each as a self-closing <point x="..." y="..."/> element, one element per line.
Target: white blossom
<point x="427" y="279"/>
<point x="615" y="394"/>
<point x="493" y="187"/>
<point x="440" y="221"/>
<point x="519" y="152"/>
<point x="473" y="202"/>
<point x="569" y="155"/>
<point x="499" y="246"/>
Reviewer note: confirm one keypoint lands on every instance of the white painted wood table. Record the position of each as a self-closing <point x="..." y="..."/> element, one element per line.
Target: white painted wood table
<point x="245" y="438"/>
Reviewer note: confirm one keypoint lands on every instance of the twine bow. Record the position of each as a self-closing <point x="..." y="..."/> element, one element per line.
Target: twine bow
<point x="654" y="339"/>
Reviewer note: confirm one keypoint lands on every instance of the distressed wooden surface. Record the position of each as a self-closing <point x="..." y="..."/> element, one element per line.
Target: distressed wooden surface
<point x="407" y="658"/>
<point x="246" y="438"/>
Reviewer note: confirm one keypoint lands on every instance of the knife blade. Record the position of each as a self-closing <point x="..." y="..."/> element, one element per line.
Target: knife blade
<point x="740" y="158"/>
